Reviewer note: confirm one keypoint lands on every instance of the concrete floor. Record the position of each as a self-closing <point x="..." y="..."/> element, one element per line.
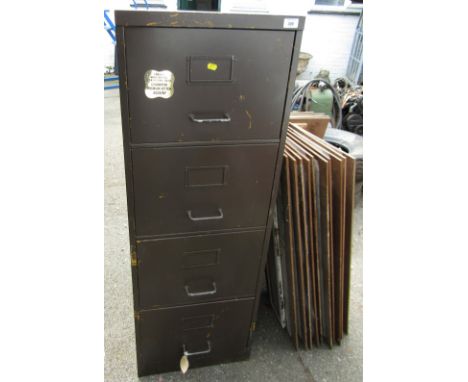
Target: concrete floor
<point x="273" y="357"/>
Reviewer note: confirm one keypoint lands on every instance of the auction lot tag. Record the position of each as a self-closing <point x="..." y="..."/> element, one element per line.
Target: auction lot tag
<point x="159" y="83"/>
<point x="290" y="23"/>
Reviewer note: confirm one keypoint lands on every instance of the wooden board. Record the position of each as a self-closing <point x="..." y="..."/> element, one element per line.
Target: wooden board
<point x="308" y="242"/>
<point x="295" y="163"/>
<point x="350" y="189"/>
<point x="315" y="123"/>
<point x="348" y="196"/>
<point x="326" y="222"/>
<point x="338" y="163"/>
<point x="313" y="240"/>
<point x="290" y="250"/>
<point x="327" y="245"/>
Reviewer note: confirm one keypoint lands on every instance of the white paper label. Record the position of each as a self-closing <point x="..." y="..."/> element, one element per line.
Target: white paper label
<point x="159" y="83"/>
<point x="290" y="23"/>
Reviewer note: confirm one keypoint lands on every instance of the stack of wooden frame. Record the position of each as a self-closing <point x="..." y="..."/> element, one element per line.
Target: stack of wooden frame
<point x="308" y="266"/>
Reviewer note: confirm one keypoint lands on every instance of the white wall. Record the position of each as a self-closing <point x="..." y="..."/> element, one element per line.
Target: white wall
<point x="328" y="37"/>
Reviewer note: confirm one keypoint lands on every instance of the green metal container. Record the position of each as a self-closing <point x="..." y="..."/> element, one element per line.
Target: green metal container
<point x="320" y="101"/>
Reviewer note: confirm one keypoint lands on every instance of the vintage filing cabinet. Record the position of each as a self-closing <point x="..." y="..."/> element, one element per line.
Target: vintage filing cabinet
<point x="205" y="104"/>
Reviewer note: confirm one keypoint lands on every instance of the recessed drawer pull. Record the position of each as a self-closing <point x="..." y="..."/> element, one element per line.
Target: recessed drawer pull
<point x="226" y="118"/>
<point x="197" y="294"/>
<point x="201" y="218"/>
<point x="186" y="353"/>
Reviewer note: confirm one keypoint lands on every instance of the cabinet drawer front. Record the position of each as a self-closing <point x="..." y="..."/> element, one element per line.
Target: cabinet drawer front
<point x="212" y="332"/>
<point x="192" y="189"/>
<point x="216" y="85"/>
<point x="199" y="268"/>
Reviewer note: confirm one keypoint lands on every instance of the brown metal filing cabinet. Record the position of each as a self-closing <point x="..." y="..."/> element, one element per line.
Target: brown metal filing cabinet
<point x="205" y="104"/>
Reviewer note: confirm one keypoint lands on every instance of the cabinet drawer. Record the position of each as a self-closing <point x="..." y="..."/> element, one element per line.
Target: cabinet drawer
<point x="200" y="268"/>
<point x="220" y="85"/>
<point x="216" y="331"/>
<point x="190" y="189"/>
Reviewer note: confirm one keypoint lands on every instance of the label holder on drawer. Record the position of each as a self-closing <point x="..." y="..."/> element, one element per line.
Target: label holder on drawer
<point x="210" y="69"/>
<point x="203" y="258"/>
<point x="206" y="176"/>
<point x="198" y="322"/>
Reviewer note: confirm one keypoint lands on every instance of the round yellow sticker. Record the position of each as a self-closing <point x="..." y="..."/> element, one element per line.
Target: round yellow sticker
<point x="212" y="66"/>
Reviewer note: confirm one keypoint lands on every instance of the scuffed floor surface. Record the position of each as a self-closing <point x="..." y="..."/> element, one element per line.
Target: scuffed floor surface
<point x="273" y="357"/>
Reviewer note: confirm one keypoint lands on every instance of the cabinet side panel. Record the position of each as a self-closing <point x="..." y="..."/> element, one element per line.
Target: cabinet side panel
<point x="279" y="161"/>
<point x="120" y="33"/>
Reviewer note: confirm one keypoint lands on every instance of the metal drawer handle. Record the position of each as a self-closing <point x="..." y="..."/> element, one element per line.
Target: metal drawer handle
<point x="186" y="353"/>
<point x="201" y="218"/>
<point x="197" y="294"/>
<point x="226" y="118"/>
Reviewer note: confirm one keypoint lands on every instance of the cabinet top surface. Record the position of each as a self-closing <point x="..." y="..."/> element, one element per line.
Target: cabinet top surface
<point x="208" y="20"/>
